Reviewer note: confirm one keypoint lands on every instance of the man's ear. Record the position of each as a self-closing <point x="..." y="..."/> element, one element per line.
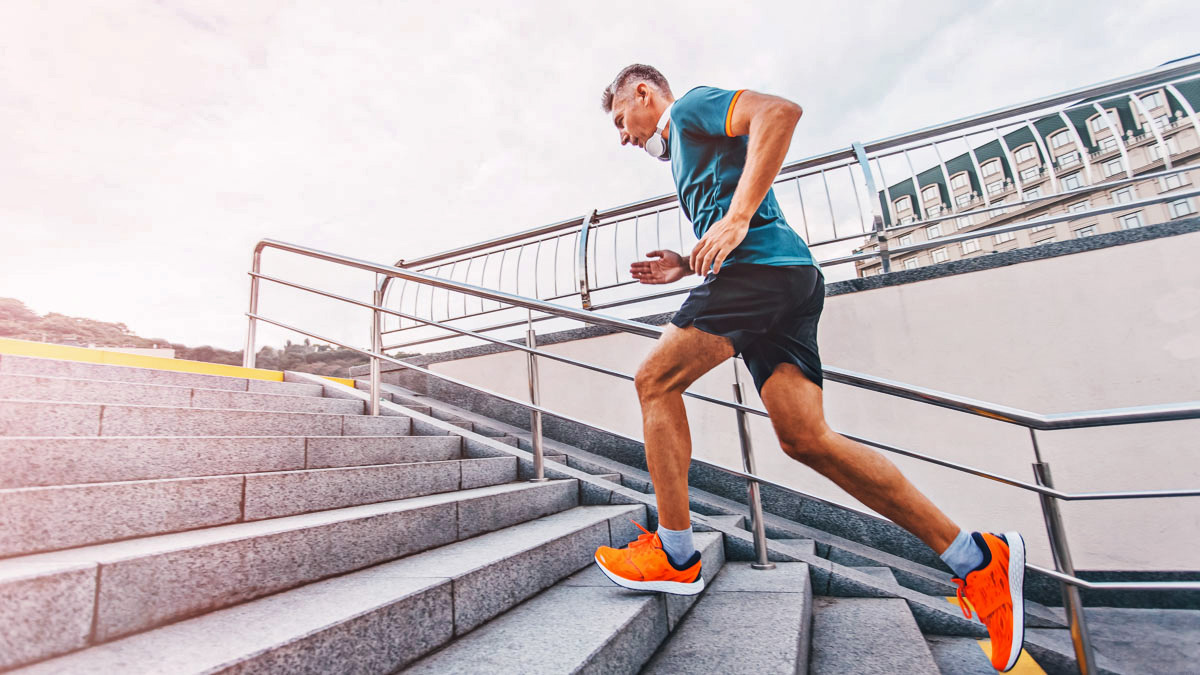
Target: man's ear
<point x="642" y="90"/>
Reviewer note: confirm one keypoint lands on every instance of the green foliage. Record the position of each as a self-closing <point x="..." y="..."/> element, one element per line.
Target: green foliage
<point x="19" y="322"/>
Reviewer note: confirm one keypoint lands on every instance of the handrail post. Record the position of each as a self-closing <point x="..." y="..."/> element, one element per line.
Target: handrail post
<point x="1084" y="655"/>
<point x="585" y="294"/>
<point x="248" y="355"/>
<point x="877" y="224"/>
<point x="758" y="527"/>
<point x="376" y="347"/>
<point x="535" y="416"/>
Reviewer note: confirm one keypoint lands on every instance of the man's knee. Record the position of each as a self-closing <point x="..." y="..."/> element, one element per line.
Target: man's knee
<point x="652" y="381"/>
<point x="807" y="444"/>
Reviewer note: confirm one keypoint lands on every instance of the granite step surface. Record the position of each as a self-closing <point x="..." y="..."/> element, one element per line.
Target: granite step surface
<point x="584" y="623"/>
<point x="749" y="621"/>
<point x="374" y="620"/>
<point x="26" y="365"/>
<point x="45" y="388"/>
<point x="61" y="517"/>
<point x="99" y="593"/>
<point x="868" y="636"/>
<point x="42" y="418"/>
<point x="44" y="461"/>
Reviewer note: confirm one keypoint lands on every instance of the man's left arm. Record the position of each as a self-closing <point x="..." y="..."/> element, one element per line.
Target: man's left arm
<point x="769" y="121"/>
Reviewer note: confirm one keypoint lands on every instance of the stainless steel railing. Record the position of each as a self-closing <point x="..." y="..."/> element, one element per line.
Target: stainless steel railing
<point x="836" y="198"/>
<point x="1043" y="486"/>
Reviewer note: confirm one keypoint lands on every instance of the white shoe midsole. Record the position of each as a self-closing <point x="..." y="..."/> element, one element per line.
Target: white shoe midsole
<point x="672" y="587"/>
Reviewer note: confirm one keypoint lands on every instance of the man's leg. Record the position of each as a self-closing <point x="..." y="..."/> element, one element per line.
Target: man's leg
<point x="797" y="412"/>
<point x="679" y="358"/>
<point x="993" y="567"/>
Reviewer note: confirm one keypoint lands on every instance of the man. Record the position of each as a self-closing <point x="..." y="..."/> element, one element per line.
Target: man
<point x="761" y="297"/>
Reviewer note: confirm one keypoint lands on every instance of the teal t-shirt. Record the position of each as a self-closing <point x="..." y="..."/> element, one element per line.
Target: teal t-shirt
<point x="707" y="161"/>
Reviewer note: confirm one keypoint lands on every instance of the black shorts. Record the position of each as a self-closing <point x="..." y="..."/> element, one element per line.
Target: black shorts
<point x="768" y="312"/>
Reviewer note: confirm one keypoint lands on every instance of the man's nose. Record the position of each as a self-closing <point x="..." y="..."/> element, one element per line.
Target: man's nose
<point x="624" y="138"/>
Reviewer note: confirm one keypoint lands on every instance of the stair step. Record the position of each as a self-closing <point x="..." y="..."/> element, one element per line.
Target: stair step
<point x="35" y="462"/>
<point x="147" y="582"/>
<point x="41" y="418"/>
<point x="750" y="621"/>
<point x="867" y="635"/>
<point x="59" y="517"/>
<point x="596" y="627"/>
<point x="371" y="621"/>
<point x="882" y="573"/>
<point x="959" y="655"/>
<point x="42" y="388"/>
<point x="614" y="477"/>
<point x="27" y="365"/>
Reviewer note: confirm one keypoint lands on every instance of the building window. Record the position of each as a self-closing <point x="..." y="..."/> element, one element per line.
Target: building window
<point x="1044" y="241"/>
<point x="970" y="246"/>
<point x="991" y="168"/>
<point x="1079" y="206"/>
<point x="1108" y="143"/>
<point x="1039" y="228"/>
<point x="1171" y="182"/>
<point x="1122" y="196"/>
<point x="994" y="187"/>
<point x="910" y="263"/>
<point x="1089" y="231"/>
<point x="959" y="180"/>
<point x="930" y="192"/>
<point x="940" y="255"/>
<point x="934" y="210"/>
<point x="906" y="240"/>
<point x="1067" y="159"/>
<point x="1026" y="153"/>
<point x="903" y="203"/>
<point x="1181" y="208"/>
<point x="908" y="220"/>
<point x="1162" y="121"/>
<point x="1072" y="182"/>
<point x="933" y="231"/>
<point x="1003" y="237"/>
<point x="1152" y="100"/>
<point x="1060" y="139"/>
<point x="1155" y="150"/>
<point x="1113" y="167"/>
<point x="1032" y="193"/>
<point x="964" y="221"/>
<point x="963" y="200"/>
<point x="1031" y="173"/>
<point x="1097" y="124"/>
<point x="1131" y="221"/>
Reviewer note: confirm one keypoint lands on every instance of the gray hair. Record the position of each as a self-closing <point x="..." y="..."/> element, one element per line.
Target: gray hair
<point x="636" y="72"/>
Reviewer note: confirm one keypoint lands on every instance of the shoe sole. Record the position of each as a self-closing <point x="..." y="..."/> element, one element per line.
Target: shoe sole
<point x="672" y="587"/>
<point x="1016" y="589"/>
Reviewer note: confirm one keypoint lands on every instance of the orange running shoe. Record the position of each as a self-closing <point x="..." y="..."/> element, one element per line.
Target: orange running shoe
<point x="643" y="565"/>
<point x="996" y="590"/>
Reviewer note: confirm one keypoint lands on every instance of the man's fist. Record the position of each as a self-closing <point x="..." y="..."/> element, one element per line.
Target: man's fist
<point x="669" y="266"/>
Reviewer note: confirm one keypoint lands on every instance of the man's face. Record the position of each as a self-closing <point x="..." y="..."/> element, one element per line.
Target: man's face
<point x="633" y="114"/>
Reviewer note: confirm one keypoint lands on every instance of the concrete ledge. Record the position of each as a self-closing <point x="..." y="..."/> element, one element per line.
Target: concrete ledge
<point x="60" y="595"/>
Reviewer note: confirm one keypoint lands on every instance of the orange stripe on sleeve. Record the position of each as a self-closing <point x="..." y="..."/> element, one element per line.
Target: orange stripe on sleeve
<point x="729" y="115"/>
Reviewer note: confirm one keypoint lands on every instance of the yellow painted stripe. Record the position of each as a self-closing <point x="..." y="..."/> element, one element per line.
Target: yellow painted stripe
<point x="1025" y="665"/>
<point x="344" y="380"/>
<point x="729" y="114"/>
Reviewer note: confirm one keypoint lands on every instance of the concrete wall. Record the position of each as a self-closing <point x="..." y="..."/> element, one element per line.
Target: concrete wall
<point x="1104" y="328"/>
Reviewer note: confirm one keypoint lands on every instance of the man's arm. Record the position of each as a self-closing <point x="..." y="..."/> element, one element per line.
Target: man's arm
<point x="769" y="121"/>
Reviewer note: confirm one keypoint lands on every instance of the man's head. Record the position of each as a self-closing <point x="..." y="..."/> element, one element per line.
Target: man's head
<point x="636" y="99"/>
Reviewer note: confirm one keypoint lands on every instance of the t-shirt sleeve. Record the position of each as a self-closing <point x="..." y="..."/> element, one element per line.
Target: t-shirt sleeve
<point x="705" y="111"/>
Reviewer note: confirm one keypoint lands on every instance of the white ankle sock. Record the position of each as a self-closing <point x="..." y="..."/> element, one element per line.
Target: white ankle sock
<point x="677" y="544"/>
<point x="963" y="555"/>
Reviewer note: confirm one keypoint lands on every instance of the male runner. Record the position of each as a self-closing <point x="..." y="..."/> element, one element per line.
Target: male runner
<point x="762" y="299"/>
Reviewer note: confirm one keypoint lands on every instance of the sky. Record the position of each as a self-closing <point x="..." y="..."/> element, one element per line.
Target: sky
<point x="148" y="145"/>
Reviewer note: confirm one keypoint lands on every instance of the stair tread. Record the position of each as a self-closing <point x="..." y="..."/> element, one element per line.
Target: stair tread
<point x="596" y="625"/>
<point x="749" y="621"/>
<point x="867" y="635"/>
<point x="227" y="636"/>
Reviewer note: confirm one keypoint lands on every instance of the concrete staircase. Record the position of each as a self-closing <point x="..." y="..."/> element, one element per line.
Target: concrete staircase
<point x="165" y="522"/>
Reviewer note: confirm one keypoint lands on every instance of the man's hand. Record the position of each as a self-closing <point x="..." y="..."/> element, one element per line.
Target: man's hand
<point x="717" y="243"/>
<point x="669" y="267"/>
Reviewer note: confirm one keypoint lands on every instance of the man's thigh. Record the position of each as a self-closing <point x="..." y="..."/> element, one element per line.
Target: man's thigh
<point x="682" y="355"/>
<point x="795" y="404"/>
